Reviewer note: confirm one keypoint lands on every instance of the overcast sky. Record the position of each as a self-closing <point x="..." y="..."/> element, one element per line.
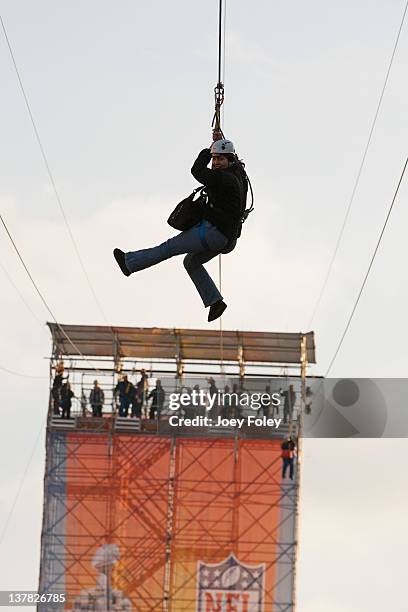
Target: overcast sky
<point x="122" y="94"/>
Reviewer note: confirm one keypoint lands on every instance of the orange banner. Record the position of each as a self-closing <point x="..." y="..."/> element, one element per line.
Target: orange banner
<point x="225" y="526"/>
<point x="133" y="521"/>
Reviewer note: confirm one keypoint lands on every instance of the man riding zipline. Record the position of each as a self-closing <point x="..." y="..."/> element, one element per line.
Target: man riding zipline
<point x="220" y="217"/>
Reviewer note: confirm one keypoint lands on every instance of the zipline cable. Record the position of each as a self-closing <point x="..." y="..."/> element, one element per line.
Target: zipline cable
<point x="42" y="298"/>
<point x="219" y="88"/>
<point x="223" y="42"/>
<point x="357" y="180"/>
<point x="50" y="174"/>
<point x="216" y="124"/>
<point x="219" y="41"/>
<point x="20" y="375"/>
<point x="7" y="370"/>
<point x="21" y="296"/>
<point x="221" y="327"/>
<point x="368" y="271"/>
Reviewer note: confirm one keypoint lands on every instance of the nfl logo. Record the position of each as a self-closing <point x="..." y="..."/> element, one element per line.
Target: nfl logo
<point x="230" y="586"/>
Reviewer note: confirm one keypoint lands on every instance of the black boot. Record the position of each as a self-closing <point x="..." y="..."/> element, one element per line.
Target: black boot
<point x="216" y="310"/>
<point x="120" y="259"/>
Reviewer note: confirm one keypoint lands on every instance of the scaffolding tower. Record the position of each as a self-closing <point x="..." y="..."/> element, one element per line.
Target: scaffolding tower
<point x="141" y="515"/>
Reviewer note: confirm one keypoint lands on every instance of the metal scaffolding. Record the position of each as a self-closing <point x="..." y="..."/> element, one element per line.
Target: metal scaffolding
<point x="153" y="518"/>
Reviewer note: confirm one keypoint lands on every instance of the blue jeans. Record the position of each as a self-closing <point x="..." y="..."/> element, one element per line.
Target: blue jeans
<point x="124" y="405"/>
<point x="201" y="243"/>
<point x="288" y="462"/>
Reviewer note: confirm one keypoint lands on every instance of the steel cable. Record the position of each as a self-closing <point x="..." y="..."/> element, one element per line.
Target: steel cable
<point x="368" y="271"/>
<point x="357" y="180"/>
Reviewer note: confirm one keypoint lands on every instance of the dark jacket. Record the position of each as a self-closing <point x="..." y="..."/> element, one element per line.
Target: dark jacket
<point x="96" y="397"/>
<point x="125" y="389"/>
<point x="226" y="190"/>
<point x="66" y="395"/>
<point x="289" y="399"/>
<point x="158" y="395"/>
<point x="56" y="386"/>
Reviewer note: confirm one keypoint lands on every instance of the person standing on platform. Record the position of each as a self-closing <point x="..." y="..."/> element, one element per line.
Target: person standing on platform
<point x="188" y="411"/>
<point x="66" y="400"/>
<point x="84" y="403"/>
<point x="139" y="395"/>
<point x="136" y="403"/>
<point x="288" y="457"/>
<point x="56" y="388"/>
<point x="289" y="403"/>
<point x="125" y="389"/>
<point x="96" y="399"/>
<point x="265" y="408"/>
<point x="197" y="406"/>
<point x="212" y="393"/>
<point x="157" y="395"/>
